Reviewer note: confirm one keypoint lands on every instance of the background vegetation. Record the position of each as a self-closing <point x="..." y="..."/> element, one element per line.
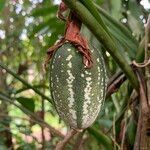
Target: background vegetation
<point x="27" y="118"/>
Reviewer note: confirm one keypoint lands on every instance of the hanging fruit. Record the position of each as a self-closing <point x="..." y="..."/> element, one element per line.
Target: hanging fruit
<point x="77" y="76"/>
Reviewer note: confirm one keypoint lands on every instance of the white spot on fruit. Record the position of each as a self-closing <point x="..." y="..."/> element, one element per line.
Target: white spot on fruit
<point x="71" y="99"/>
<point x="88" y="79"/>
<point x="52" y="66"/>
<point x="70" y="65"/>
<point x="86" y="72"/>
<point x="69" y="49"/>
<point x="87" y="99"/>
<point x="57" y="79"/>
<point x="69" y="58"/>
<point x="73" y="113"/>
<point x="82" y="75"/>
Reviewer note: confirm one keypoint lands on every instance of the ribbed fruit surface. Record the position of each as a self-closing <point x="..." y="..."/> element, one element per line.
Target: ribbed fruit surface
<point x="78" y="93"/>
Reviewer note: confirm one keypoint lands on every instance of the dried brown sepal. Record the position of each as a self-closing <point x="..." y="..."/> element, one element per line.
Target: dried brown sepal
<point x="72" y="35"/>
<point x="62" y="8"/>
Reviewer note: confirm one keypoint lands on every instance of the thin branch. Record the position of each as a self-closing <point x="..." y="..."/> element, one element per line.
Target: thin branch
<point x="63" y="143"/>
<point x="114" y="141"/>
<point x="27" y="88"/>
<point x="140" y="51"/>
<point x="5" y="98"/>
<point x="114" y="77"/>
<point x="91" y="7"/>
<point x="14" y="128"/>
<point x="115" y="84"/>
<point x="104" y="38"/>
<point x="79" y="141"/>
<point x="124" y="133"/>
<point x="124" y="108"/>
<point x="101" y="137"/>
<point x="24" y="82"/>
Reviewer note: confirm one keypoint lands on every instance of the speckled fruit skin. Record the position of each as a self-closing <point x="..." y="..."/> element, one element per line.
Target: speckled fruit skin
<point x="78" y="93"/>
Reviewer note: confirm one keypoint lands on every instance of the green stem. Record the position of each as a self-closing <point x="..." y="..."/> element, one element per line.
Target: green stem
<point x="103" y="139"/>
<point x="25" y="82"/>
<point x="140" y="51"/>
<point x="90" y="6"/>
<point x="104" y="38"/>
<point x="27" y="88"/>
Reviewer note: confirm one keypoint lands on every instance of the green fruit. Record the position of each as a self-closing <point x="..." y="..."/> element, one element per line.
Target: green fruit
<point x="78" y="93"/>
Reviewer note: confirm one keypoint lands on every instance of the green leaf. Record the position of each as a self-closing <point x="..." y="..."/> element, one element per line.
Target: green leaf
<point x="101" y="138"/>
<point x="115" y="8"/>
<point x="27" y="103"/>
<point x="120" y="32"/>
<point x="131" y="131"/>
<point x="2" y="4"/>
<point x="134" y="20"/>
<point x="38" y="28"/>
<point x="44" y="11"/>
<point x="123" y="40"/>
<point x="51" y="24"/>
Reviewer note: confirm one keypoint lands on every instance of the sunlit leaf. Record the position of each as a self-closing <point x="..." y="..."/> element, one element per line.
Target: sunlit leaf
<point x="27" y="103"/>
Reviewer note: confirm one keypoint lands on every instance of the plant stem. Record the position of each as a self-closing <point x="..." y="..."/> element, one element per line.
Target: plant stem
<point x="63" y="143"/>
<point x="6" y="98"/>
<point x="103" y="139"/>
<point x="104" y="38"/>
<point x="140" y="51"/>
<point x="90" y="6"/>
<point x="25" y="82"/>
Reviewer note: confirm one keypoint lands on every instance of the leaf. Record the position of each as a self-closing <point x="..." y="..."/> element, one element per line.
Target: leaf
<point x="27" y="103"/>
<point x="115" y="8"/>
<point x="2" y="4"/>
<point x="51" y="24"/>
<point x="123" y="40"/>
<point x="38" y="28"/>
<point x="101" y="138"/>
<point x="122" y="34"/>
<point x="53" y="38"/>
<point x="44" y="11"/>
<point x="134" y="20"/>
<point x="105" y="123"/>
<point x="131" y="131"/>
